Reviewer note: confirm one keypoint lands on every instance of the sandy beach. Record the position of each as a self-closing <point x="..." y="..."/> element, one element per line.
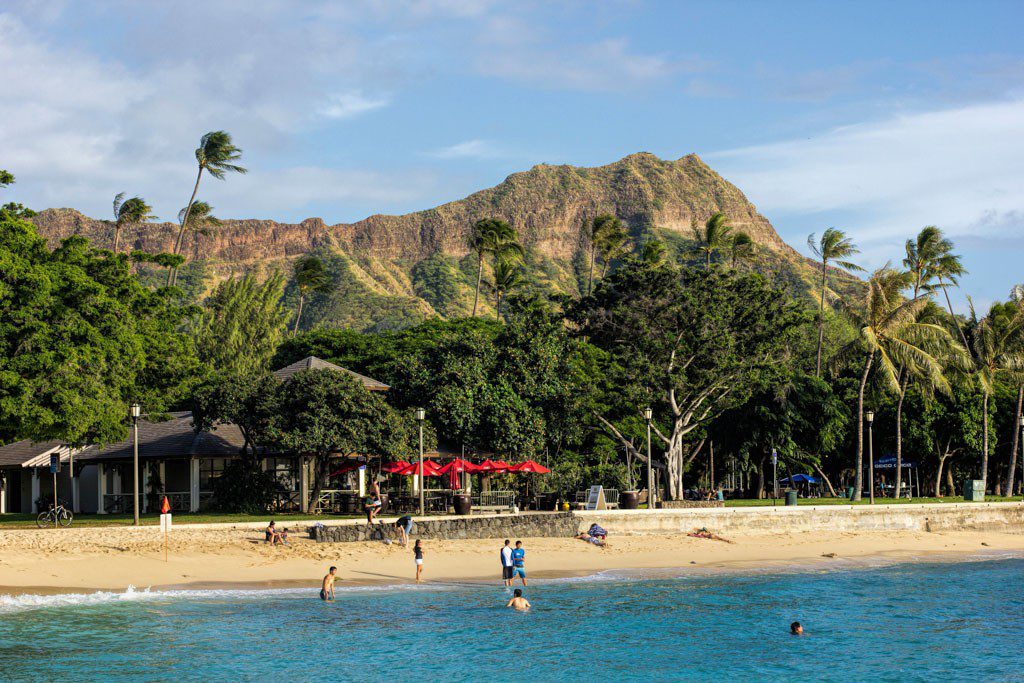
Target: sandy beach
<point x="76" y="560"/>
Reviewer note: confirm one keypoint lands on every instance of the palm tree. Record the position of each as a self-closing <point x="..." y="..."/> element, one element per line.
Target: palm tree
<point x="947" y="271"/>
<point x="834" y="246"/>
<point x="601" y="229"/>
<point x="614" y="244"/>
<point x="713" y="236"/>
<point x="741" y="247"/>
<point x="653" y="252"/>
<point x="496" y="237"/>
<point x="216" y="155"/>
<point x="129" y="212"/>
<point x="310" y="276"/>
<point x="889" y="330"/>
<point x="996" y="353"/>
<point x="508" y="276"/>
<point x="1016" y="299"/>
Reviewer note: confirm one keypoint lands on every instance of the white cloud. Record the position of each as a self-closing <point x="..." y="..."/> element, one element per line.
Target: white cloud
<point x="958" y="168"/>
<point x="470" y="149"/>
<point x="347" y="105"/>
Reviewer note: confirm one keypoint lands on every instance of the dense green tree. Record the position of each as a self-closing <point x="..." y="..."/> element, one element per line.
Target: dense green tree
<point x="323" y="414"/>
<point x="129" y="212"/>
<point x="497" y="238"/>
<point x="247" y="401"/>
<point x="836" y="247"/>
<point x="217" y="155"/>
<point x="741" y="248"/>
<point x="602" y="231"/>
<point x="691" y="343"/>
<point x="6" y="178"/>
<point x="654" y="252"/>
<point x="241" y="324"/>
<point x="311" y="277"/>
<point x="81" y="339"/>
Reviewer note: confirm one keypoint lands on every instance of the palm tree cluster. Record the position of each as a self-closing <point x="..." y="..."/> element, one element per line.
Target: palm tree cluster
<point x="496" y="238"/>
<point x="716" y="235"/>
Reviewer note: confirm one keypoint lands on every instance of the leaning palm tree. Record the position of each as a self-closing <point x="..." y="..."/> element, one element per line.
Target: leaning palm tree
<point x="602" y="229"/>
<point x="713" y="236"/>
<point x="311" y="276"/>
<point x="508" y="277"/>
<point x="996" y="354"/>
<point x="741" y="248"/>
<point x="216" y="155"/>
<point x="890" y="336"/>
<point x="129" y="212"/>
<point x="834" y="246"/>
<point x="200" y="220"/>
<point x="497" y="238"/>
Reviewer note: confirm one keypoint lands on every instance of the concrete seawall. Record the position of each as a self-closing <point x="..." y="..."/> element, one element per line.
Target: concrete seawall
<point x="838" y="518"/>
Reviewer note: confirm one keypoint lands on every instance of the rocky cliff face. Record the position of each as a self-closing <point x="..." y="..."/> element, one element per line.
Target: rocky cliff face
<point x="393" y="270"/>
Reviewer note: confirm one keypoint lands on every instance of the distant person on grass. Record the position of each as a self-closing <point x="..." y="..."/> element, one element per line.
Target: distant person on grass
<point x="518" y="563"/>
<point x="518" y="602"/>
<point x="327" y="587"/>
<point x="506" y="564"/>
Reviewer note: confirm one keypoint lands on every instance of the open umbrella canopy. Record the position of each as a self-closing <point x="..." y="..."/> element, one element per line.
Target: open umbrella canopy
<point x="802" y="479"/>
<point x="459" y="465"/>
<point x="394" y="467"/>
<point x="493" y="466"/>
<point x="430" y="469"/>
<point x="529" y="467"/>
<point x="350" y="466"/>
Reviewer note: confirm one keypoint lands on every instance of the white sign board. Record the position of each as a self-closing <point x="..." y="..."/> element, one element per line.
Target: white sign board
<point x="595" y="499"/>
<point x="165" y="522"/>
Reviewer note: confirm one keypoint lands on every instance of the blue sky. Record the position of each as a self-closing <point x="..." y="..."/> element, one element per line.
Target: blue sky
<point x="875" y="117"/>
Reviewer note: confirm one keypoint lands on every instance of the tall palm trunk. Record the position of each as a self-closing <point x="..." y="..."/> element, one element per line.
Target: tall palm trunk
<point x="172" y="273"/>
<point x="593" y="261"/>
<point x="117" y="235"/>
<point x="497" y="307"/>
<point x="479" y="279"/>
<point x="859" y="475"/>
<point x="949" y="305"/>
<point x="984" y="441"/>
<point x="904" y="378"/>
<point x="821" y="319"/>
<point x="1013" y="448"/>
<point x="708" y="266"/>
<point x="298" y="315"/>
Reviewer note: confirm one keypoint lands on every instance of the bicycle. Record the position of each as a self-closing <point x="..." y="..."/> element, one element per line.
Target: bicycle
<point x="55" y="515"/>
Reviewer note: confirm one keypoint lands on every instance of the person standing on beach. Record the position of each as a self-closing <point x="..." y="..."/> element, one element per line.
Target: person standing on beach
<point x="327" y="588"/>
<point x="506" y="564"/>
<point x="417" y="551"/>
<point x="518" y="563"/>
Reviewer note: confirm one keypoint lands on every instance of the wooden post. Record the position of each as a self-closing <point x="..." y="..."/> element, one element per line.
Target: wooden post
<point x="101" y="488"/>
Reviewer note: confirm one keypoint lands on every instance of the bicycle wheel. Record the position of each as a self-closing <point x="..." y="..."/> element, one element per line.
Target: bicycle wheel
<point x="64" y="517"/>
<point x="44" y="520"/>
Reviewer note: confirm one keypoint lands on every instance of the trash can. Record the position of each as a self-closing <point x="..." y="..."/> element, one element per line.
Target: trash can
<point x="791" y="497"/>
<point x="974" y="490"/>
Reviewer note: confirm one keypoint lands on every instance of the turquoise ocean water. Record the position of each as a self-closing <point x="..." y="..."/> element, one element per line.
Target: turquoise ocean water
<point x="912" y="622"/>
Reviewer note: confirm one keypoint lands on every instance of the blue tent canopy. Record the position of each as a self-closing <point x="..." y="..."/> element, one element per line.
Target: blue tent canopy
<point x="888" y="462"/>
<point x="802" y="479"/>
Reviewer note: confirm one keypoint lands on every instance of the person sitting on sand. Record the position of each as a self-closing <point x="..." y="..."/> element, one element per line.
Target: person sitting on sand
<point x="327" y="588"/>
<point x="518" y="602"/>
<point x="271" y="534"/>
<point x="796" y="629"/>
<point x="591" y="539"/>
<point x="404" y="526"/>
<point x="282" y="537"/>
<point x="373" y="504"/>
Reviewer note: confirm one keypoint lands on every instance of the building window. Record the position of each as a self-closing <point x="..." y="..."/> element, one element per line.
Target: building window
<point x="209" y="470"/>
<point x="285" y="471"/>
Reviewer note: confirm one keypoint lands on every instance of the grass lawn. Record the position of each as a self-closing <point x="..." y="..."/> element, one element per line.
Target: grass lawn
<point x="753" y="502"/>
<point x="26" y="521"/>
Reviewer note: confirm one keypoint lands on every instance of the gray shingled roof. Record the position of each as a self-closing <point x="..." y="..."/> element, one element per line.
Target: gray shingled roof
<point x="314" y="363"/>
<point x="169" y="439"/>
<point x="14" y="454"/>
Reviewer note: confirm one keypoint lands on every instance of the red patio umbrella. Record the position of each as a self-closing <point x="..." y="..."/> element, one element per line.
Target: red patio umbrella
<point x="394" y="467"/>
<point x="492" y="466"/>
<point x="455" y="468"/>
<point x="529" y="467"/>
<point x="350" y="466"/>
<point x="430" y="469"/>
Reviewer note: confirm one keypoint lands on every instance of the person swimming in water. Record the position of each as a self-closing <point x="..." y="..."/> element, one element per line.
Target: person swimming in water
<point x="327" y="588"/>
<point x="518" y="602"/>
<point x="796" y="629"/>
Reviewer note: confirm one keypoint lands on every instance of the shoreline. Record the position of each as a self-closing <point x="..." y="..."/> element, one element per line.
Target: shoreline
<point x="90" y="560"/>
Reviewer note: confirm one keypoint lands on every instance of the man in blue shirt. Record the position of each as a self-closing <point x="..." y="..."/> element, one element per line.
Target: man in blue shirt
<point x="518" y="563"/>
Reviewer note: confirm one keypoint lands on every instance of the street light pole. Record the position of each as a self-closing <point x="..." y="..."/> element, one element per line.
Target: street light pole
<point x="775" y="476"/>
<point x="652" y="497"/>
<point x="136" y="411"/>
<point x="1021" y="458"/>
<point x="420" y="415"/>
<point x="869" y="416"/>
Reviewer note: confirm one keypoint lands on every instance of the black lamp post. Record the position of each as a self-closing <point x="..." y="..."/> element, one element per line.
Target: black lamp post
<point x="1021" y="458"/>
<point x="869" y="417"/>
<point x="136" y="411"/>
<point x="652" y="498"/>
<point x="421" y="414"/>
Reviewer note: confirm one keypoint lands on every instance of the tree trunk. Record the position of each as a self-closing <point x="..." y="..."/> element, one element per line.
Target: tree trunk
<point x="593" y="261"/>
<point x="320" y="466"/>
<point x="984" y="442"/>
<point x="172" y="273"/>
<point x="949" y="304"/>
<point x="904" y="378"/>
<point x="298" y="316"/>
<point x="117" y="235"/>
<point x="711" y="464"/>
<point x="479" y="279"/>
<point x="938" y="476"/>
<point x="709" y="259"/>
<point x="1012" y="472"/>
<point x="821" y="318"/>
<point x="497" y="307"/>
<point x="821" y="472"/>
<point x="858" y="480"/>
<point x="760" y="479"/>
<point x="950" y="484"/>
